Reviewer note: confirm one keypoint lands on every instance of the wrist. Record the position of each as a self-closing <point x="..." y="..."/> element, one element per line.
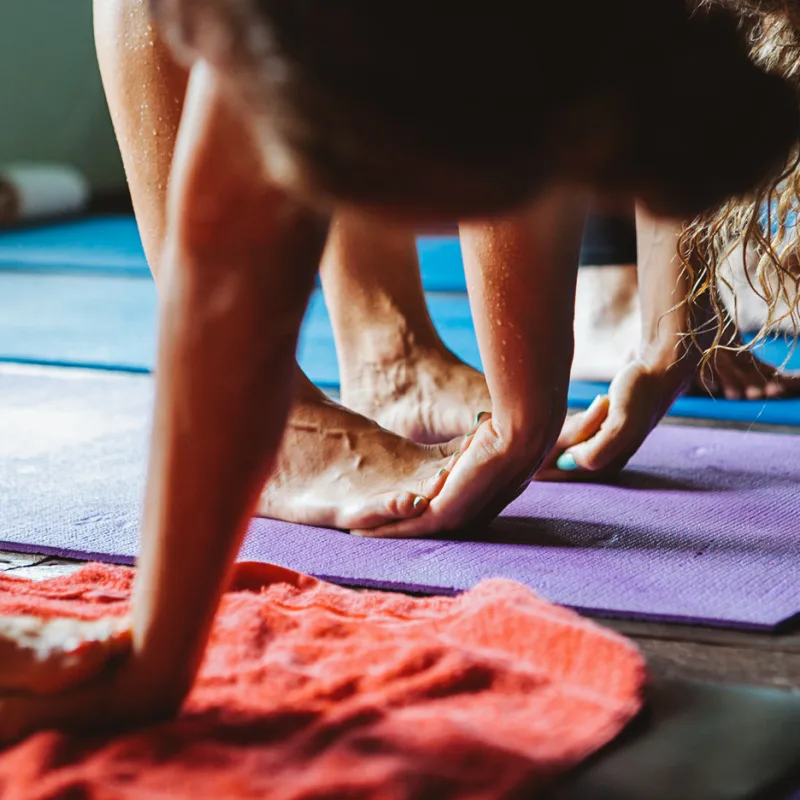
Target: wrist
<point x="528" y="437"/>
<point x="674" y="363"/>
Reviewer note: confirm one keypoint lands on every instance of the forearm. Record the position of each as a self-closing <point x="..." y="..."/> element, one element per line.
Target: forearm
<point x="521" y="275"/>
<point x="236" y="275"/>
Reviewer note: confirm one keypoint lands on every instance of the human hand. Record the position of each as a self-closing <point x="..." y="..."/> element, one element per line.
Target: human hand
<point x="75" y="675"/>
<point x="600" y="441"/>
<point x="496" y="466"/>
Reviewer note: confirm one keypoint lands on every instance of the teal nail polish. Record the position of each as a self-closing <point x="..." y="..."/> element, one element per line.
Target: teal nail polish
<point x="457" y="453"/>
<point x="567" y="463"/>
<point x="479" y="415"/>
<point x="418" y="501"/>
<point x="441" y="472"/>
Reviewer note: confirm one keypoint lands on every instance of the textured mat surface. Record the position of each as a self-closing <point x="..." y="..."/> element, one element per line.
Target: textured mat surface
<point x="701" y="527"/>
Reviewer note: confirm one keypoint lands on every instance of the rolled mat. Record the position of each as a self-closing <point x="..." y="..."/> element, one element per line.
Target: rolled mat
<point x="701" y="527"/>
<point x="489" y="695"/>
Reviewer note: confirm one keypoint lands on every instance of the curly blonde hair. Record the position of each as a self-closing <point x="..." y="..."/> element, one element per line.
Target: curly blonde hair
<point x="759" y="228"/>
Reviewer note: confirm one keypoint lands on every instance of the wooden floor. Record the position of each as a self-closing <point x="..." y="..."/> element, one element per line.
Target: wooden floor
<point x="673" y="650"/>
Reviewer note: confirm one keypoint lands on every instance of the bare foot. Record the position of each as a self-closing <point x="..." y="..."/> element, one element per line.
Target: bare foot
<point x="393" y="365"/>
<point x="425" y="394"/>
<point x="607" y="329"/>
<point x="740" y="375"/>
<point x="338" y="469"/>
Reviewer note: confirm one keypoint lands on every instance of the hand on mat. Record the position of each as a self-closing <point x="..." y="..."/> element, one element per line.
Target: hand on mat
<point x="119" y="697"/>
<point x="486" y="478"/>
<point x="47" y="656"/>
<point x="600" y="441"/>
<point x="741" y="375"/>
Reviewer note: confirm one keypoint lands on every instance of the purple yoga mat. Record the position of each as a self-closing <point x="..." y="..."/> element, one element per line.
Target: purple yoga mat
<point x="703" y="526"/>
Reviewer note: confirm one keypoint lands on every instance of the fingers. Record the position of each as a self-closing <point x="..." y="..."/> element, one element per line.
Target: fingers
<point x="484" y="479"/>
<point x="609" y="448"/>
<point x="48" y="656"/>
<point x="580" y="427"/>
<point x="577" y="428"/>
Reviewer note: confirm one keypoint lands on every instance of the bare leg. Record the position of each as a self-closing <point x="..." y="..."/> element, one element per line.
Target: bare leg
<point x="394" y="367"/>
<point x="145" y="90"/>
<point x="606" y="321"/>
<point x="381" y="476"/>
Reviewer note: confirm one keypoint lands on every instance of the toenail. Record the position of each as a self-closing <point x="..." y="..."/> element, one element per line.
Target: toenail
<point x="567" y="463"/>
<point x="418" y="501"/>
<point x="479" y="416"/>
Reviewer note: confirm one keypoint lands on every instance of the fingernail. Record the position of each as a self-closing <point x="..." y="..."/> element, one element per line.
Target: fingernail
<point x="457" y="453"/>
<point x="468" y="435"/>
<point x="480" y="414"/>
<point x="441" y="472"/>
<point x="418" y="501"/>
<point x="567" y="463"/>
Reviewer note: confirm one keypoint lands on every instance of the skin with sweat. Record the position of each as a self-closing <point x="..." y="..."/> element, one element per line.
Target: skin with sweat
<point x="238" y="256"/>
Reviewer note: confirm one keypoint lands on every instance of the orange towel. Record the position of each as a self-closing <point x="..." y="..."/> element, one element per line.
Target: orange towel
<point x="309" y="690"/>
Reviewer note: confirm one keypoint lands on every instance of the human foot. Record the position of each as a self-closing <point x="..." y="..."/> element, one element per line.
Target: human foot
<point x="607" y="330"/>
<point x="741" y="375"/>
<point x="607" y="327"/>
<point x="393" y="365"/>
<point x="426" y="394"/>
<point x="338" y="469"/>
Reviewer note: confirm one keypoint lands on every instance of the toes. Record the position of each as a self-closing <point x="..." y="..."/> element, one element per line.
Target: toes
<point x="386" y="509"/>
<point x="774" y="389"/>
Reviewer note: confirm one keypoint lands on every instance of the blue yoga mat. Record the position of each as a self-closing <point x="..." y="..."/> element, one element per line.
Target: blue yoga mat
<point x="78" y="320"/>
<point x="111" y="245"/>
<point x="109" y="322"/>
<point x="104" y="245"/>
<point x="79" y="293"/>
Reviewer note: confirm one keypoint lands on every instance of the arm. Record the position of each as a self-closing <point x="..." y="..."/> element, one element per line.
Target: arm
<point x="239" y="264"/>
<point x="521" y="275"/>
<point x="612" y="430"/>
<point x="236" y="275"/>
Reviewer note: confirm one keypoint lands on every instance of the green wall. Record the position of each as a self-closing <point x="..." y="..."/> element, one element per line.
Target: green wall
<point x="51" y="100"/>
